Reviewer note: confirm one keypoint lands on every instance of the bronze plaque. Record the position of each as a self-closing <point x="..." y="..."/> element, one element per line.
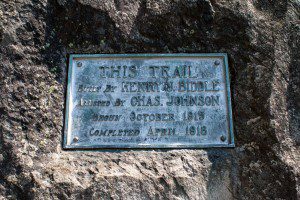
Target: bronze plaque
<point x="148" y="101"/>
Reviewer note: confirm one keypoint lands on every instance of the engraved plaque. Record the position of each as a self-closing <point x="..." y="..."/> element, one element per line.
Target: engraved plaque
<point x="148" y="101"/>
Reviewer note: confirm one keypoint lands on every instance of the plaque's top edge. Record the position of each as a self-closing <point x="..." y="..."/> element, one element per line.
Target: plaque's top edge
<point x="147" y="55"/>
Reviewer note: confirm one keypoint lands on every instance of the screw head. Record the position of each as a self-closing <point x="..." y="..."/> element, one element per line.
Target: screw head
<point x="79" y="64"/>
<point x="75" y="139"/>
<point x="223" y="138"/>
<point x="217" y="62"/>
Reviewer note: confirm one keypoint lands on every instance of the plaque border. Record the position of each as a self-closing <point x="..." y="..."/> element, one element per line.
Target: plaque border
<point x="230" y="139"/>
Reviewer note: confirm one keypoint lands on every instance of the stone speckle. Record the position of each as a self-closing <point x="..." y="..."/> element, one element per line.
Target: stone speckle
<point x="262" y="39"/>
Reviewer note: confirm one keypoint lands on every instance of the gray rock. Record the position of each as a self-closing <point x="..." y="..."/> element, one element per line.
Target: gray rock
<point x="262" y="39"/>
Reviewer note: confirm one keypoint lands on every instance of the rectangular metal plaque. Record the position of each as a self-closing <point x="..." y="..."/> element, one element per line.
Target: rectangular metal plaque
<point x="148" y="101"/>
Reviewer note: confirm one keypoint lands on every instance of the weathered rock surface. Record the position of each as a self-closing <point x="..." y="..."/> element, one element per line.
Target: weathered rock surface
<point x="262" y="39"/>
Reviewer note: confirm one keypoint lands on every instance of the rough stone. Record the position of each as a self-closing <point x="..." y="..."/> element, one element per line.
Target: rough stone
<point x="262" y="39"/>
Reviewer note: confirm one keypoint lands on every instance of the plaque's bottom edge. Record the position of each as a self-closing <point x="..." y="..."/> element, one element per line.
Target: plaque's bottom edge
<point x="128" y="147"/>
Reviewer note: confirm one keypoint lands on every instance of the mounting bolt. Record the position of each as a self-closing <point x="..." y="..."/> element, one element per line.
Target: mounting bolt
<point x="217" y="62"/>
<point x="75" y="139"/>
<point x="223" y="138"/>
<point x="79" y="64"/>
